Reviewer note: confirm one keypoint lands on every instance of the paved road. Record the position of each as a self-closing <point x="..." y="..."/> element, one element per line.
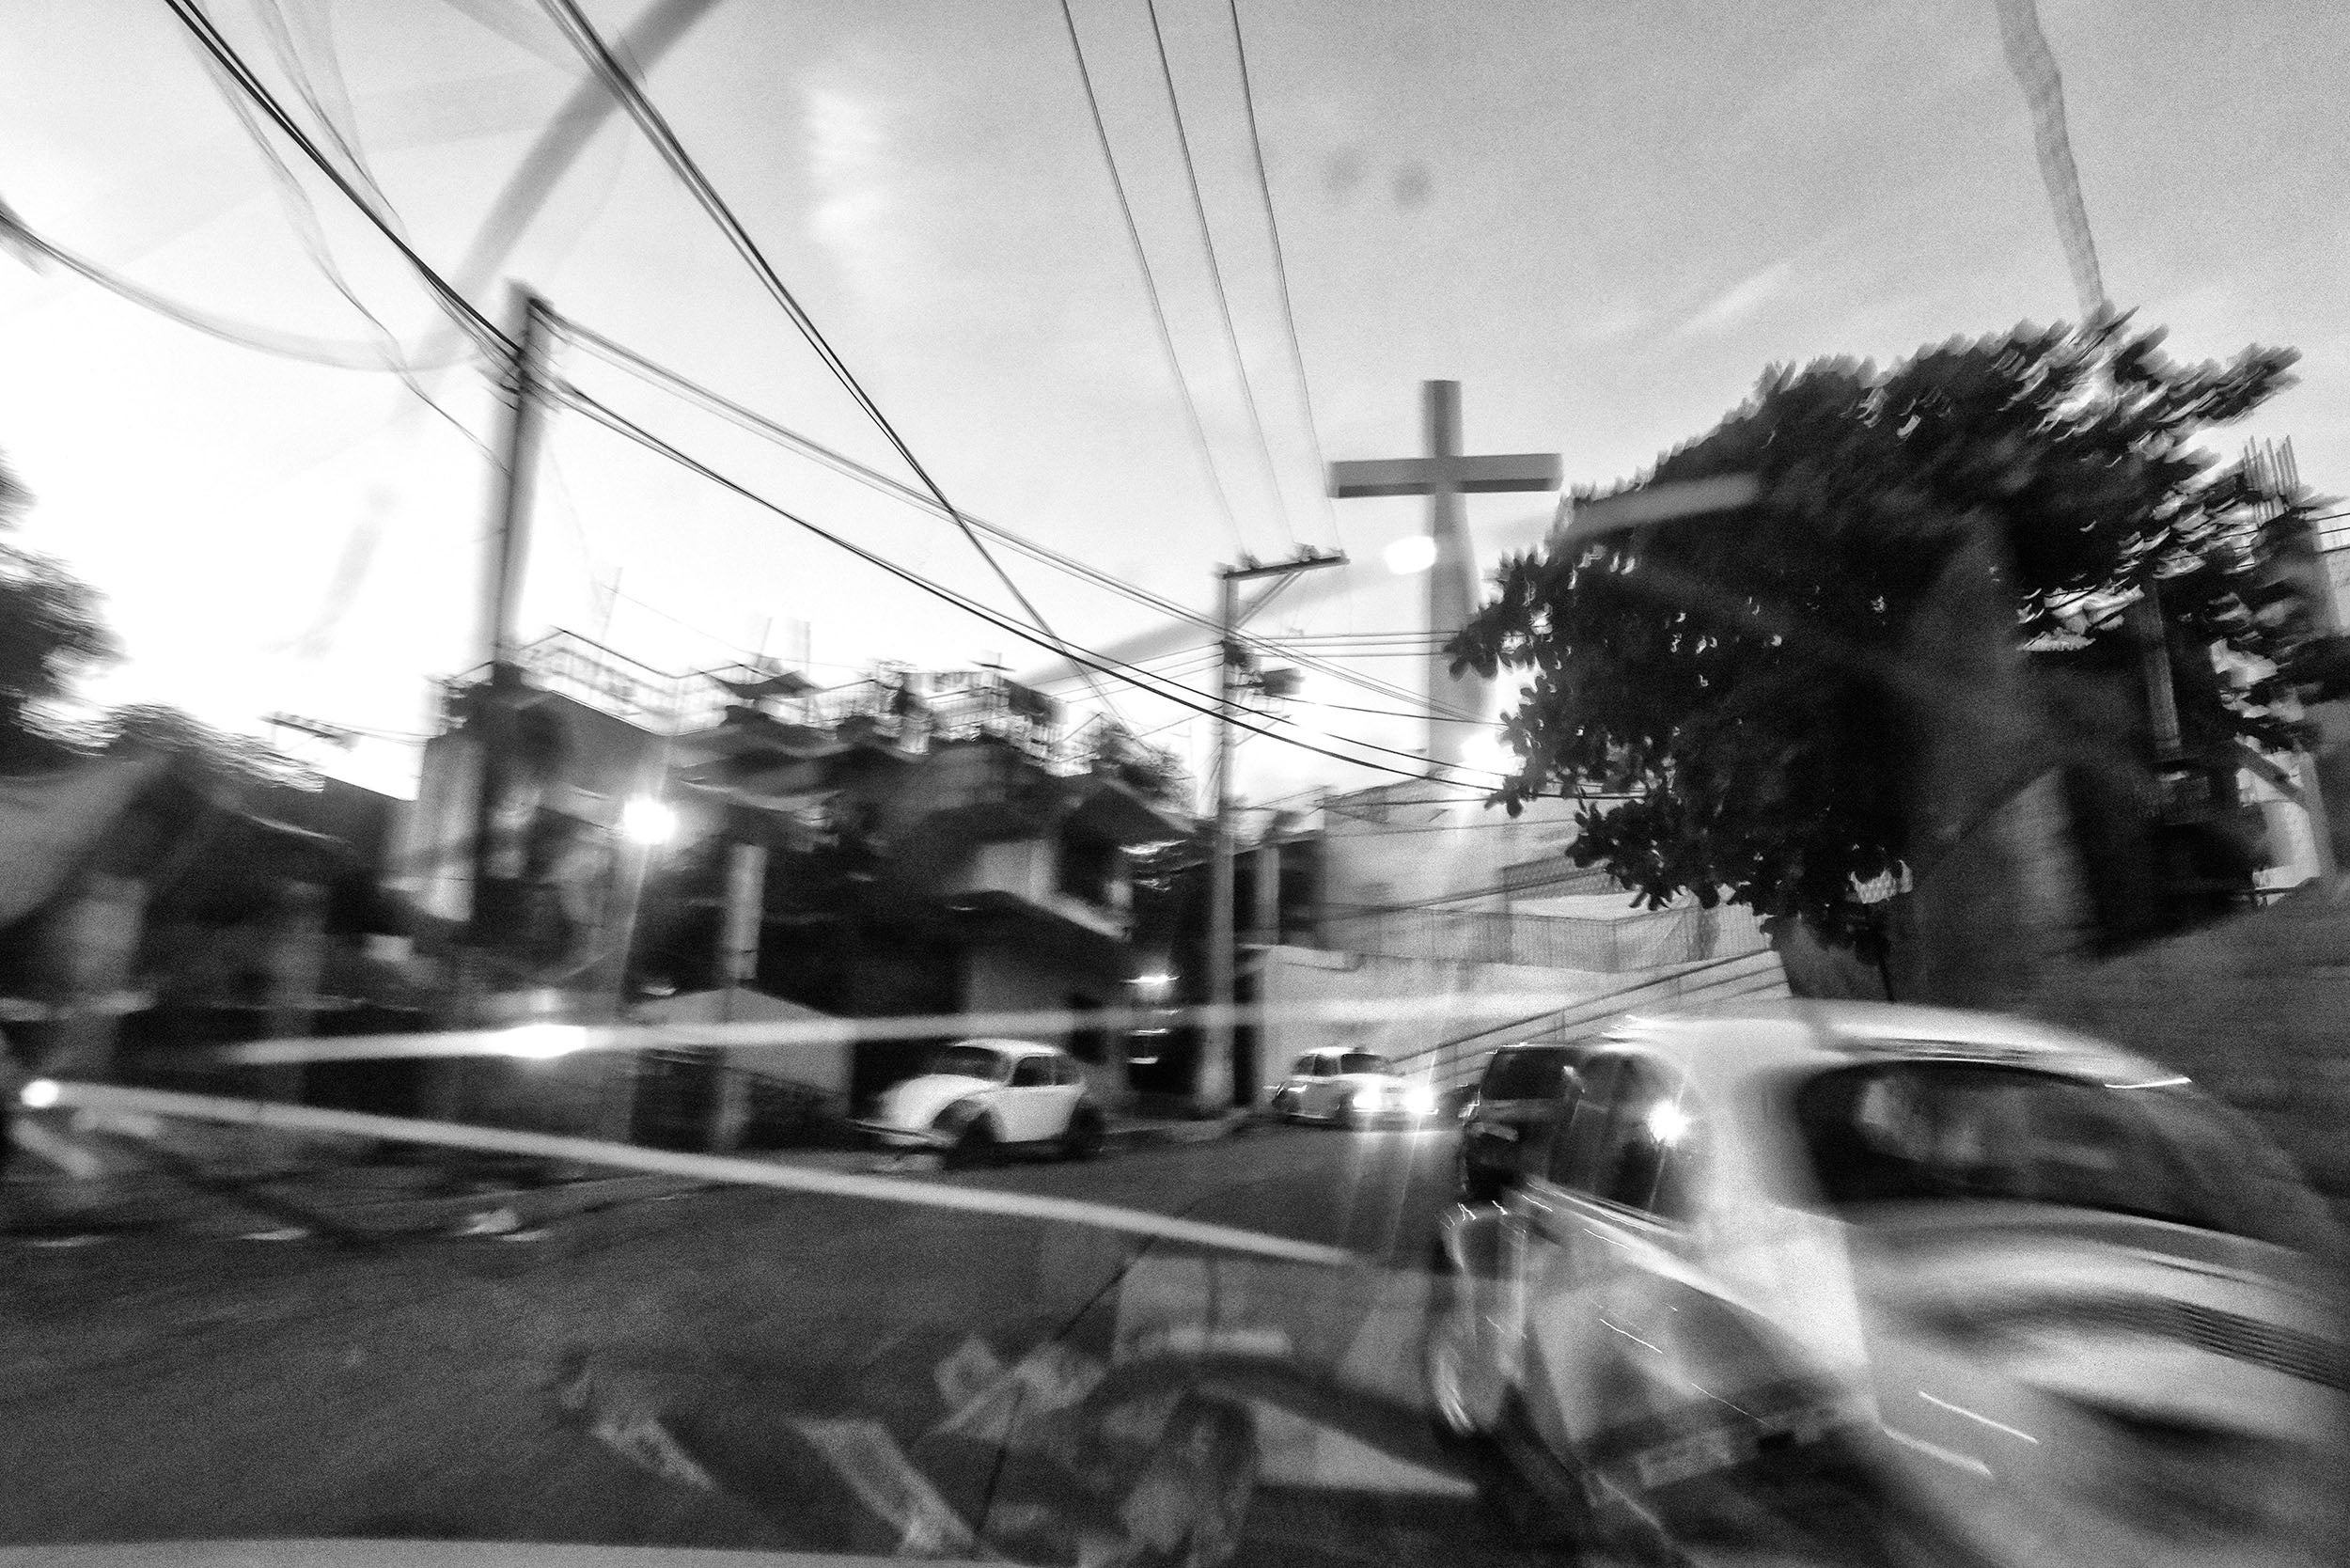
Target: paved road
<point x="176" y="1385"/>
<point x="714" y="1369"/>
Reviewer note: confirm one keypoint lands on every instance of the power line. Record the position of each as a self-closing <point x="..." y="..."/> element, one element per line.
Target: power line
<point x="1142" y="679"/>
<point x="622" y="84"/>
<point x="657" y="374"/>
<point x="1281" y="273"/>
<point x="1215" y="272"/>
<point x="461" y="309"/>
<point x="1151" y="287"/>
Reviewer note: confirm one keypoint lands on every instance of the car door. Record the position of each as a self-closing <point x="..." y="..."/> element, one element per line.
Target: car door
<point x="1314" y="1088"/>
<point x="1029" y="1104"/>
<point x="1604" y="1227"/>
<point x="1069" y="1090"/>
<point x="1301" y="1073"/>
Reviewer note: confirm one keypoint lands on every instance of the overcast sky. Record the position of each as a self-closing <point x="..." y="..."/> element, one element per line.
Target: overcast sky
<point x="1603" y="218"/>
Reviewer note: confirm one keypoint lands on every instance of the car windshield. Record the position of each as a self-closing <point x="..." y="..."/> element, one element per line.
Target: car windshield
<point x="972" y="1061"/>
<point x="1536" y="1074"/>
<point x="1943" y="1132"/>
<point x="1363" y="1061"/>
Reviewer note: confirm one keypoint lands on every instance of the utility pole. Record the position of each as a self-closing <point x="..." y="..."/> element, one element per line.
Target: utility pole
<point x="494" y="717"/>
<point x="1212" y="1084"/>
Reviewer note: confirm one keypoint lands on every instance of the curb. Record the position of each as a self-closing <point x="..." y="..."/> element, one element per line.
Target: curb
<point x="1148" y="1134"/>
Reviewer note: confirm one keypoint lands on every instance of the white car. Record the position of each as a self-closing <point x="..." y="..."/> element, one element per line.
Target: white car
<point x="981" y="1095"/>
<point x="2037" y="1299"/>
<point x="1353" y="1088"/>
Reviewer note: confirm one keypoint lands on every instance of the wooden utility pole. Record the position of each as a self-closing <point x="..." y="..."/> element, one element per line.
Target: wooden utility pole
<point x="1212" y="1084"/>
<point x="1444" y="476"/>
<point x="490" y="915"/>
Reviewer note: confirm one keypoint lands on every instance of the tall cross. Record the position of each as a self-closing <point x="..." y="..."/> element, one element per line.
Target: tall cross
<point x="1444" y="476"/>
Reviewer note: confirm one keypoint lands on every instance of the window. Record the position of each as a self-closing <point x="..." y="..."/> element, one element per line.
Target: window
<point x="1363" y="1061"/>
<point x="1937" y="1131"/>
<point x="1067" y="1072"/>
<point x="1088" y="870"/>
<point x="1575" y="1148"/>
<point x="1032" y="1073"/>
<point x="1526" y="1073"/>
<point x="970" y="1061"/>
<point x="1629" y="1138"/>
<point x="1645" y="1159"/>
<point x="1303" y="1067"/>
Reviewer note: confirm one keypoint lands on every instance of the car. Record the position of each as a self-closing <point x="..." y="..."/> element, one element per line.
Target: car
<point x="1351" y="1087"/>
<point x="983" y="1096"/>
<point x="2036" y="1298"/>
<point x="1516" y="1100"/>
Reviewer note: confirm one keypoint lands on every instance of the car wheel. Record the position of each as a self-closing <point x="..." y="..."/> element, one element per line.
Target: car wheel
<point x="975" y="1146"/>
<point x="1085" y="1136"/>
<point x="1451" y="1356"/>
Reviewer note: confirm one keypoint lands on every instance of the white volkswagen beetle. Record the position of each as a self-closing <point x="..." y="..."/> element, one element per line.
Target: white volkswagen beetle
<point x="1353" y="1088"/>
<point x="2037" y="1298"/>
<point x="981" y="1095"/>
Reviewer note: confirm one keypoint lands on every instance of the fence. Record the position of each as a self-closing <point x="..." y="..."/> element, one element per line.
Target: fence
<point x="1634" y="942"/>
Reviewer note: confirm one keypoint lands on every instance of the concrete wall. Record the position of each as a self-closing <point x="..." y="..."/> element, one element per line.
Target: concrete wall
<point x="2255" y="1009"/>
<point x="1010" y="980"/>
<point x="1301" y="980"/>
<point x="1395" y="846"/>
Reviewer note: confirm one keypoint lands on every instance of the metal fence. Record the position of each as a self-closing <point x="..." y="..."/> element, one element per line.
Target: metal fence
<point x="1645" y="941"/>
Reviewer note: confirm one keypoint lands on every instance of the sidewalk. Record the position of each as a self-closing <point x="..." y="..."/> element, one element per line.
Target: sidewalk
<point x="151" y="1188"/>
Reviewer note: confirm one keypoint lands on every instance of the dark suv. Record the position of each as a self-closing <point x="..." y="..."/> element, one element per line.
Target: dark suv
<point x="1516" y="1101"/>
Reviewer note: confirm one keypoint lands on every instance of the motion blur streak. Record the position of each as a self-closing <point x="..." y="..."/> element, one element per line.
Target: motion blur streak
<point x="107" y="1101"/>
<point x="832" y="1032"/>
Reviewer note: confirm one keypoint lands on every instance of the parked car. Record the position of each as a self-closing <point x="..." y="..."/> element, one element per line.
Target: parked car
<point x="1516" y="1101"/>
<point x="1350" y="1088"/>
<point x="2037" y="1298"/>
<point x="983" y="1095"/>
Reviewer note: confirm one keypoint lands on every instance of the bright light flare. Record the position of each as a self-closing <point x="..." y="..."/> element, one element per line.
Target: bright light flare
<point x="39" y="1094"/>
<point x="1667" y="1122"/>
<point x="1153" y="982"/>
<point x="1420" y="1100"/>
<point x="544" y="1041"/>
<point x="1410" y="555"/>
<point x="649" y="821"/>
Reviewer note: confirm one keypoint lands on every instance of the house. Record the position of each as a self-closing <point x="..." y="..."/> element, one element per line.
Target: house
<point x="915" y="845"/>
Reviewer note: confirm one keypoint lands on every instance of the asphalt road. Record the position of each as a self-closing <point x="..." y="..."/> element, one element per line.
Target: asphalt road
<point x="195" y="1385"/>
<point x="729" y="1369"/>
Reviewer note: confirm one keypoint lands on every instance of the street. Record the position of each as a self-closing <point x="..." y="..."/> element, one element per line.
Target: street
<point x="168" y="1386"/>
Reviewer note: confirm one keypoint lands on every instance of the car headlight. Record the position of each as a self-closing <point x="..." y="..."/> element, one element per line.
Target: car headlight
<point x="1420" y="1100"/>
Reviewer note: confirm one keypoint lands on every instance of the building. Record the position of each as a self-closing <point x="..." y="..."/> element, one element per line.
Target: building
<point x="915" y="845"/>
<point x="1413" y="920"/>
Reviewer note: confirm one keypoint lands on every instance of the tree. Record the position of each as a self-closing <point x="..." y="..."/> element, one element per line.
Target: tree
<point x="1743" y="678"/>
<point x="50" y="633"/>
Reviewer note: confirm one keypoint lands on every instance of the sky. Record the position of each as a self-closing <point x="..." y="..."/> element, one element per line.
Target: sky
<point x="1604" y="219"/>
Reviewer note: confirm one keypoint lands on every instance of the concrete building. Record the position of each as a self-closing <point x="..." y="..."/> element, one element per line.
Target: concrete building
<point x="740" y="845"/>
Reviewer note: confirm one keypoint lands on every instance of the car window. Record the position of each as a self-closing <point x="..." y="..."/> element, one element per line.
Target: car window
<point x="1927" y="1131"/>
<point x="1575" y="1144"/>
<point x="1066" y="1070"/>
<point x="1646" y="1154"/>
<point x="970" y="1061"/>
<point x="1303" y="1067"/>
<point x="1032" y="1073"/>
<point x="1363" y="1061"/>
<point x="1526" y="1073"/>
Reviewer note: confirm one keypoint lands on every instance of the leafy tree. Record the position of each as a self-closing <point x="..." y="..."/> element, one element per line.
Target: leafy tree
<point x="50" y="632"/>
<point x="1741" y="676"/>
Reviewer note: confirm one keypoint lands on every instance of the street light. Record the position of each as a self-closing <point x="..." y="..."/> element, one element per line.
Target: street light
<point x="647" y="822"/>
<point x="1410" y="555"/>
